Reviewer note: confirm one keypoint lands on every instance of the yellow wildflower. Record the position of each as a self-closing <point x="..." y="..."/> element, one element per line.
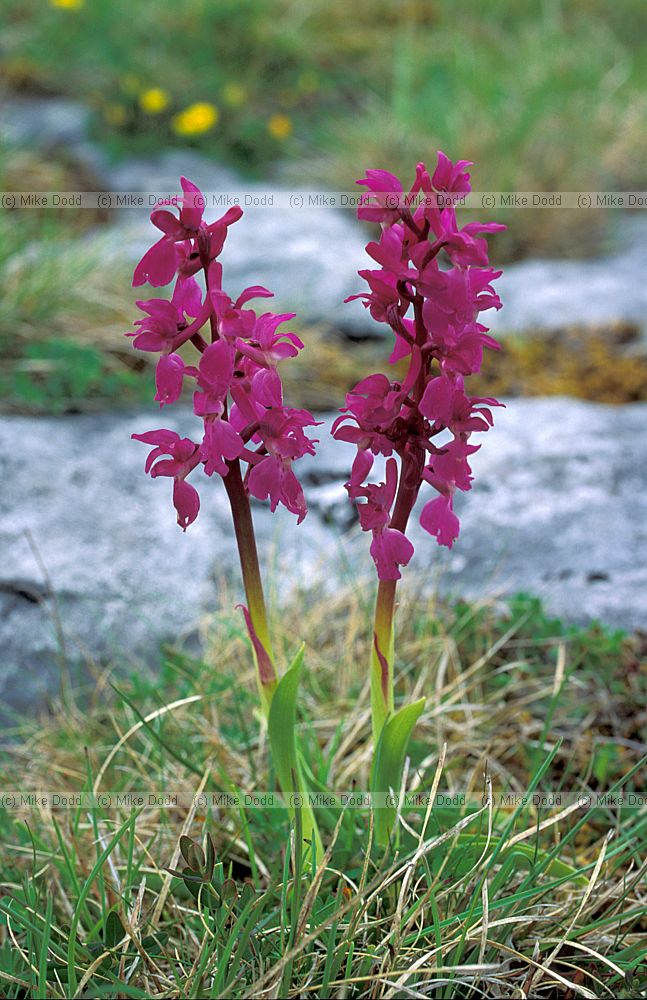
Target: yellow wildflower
<point x="67" y="4"/>
<point x="279" y="127"/>
<point x="153" y="100"/>
<point x="234" y="94"/>
<point x="195" y="119"/>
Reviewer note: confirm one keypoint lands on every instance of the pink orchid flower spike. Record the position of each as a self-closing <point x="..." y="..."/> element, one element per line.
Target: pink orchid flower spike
<point x="432" y="281"/>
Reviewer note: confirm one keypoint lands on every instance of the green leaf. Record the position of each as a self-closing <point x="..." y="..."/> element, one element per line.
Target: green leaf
<point x="229" y="890"/>
<point x="388" y="763"/>
<point x="186" y="844"/>
<point x="195" y="858"/>
<point x="282" y="733"/>
<point x="282" y="724"/>
<point x="113" y="930"/>
<point x="210" y="861"/>
<point x="247" y="894"/>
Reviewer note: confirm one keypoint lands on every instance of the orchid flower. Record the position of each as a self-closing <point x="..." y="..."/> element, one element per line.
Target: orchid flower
<point x="432" y="310"/>
<point x="237" y="395"/>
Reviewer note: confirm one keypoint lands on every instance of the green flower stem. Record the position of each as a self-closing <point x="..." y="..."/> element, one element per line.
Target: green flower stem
<point x="266" y="674"/>
<point x="383" y="646"/>
<point x="280" y="712"/>
<point x="382" y="654"/>
<point x="246" y="541"/>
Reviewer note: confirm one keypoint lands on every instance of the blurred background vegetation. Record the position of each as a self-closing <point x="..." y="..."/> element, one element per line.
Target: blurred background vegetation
<point x="541" y="95"/>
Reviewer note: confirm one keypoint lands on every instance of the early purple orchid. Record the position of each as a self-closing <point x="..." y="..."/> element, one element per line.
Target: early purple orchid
<point x="237" y="395"/>
<point x="431" y="284"/>
<point x="433" y="312"/>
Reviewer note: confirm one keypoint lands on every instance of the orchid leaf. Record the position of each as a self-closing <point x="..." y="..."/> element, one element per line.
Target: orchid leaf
<point x="388" y="764"/>
<point x="282" y="733"/>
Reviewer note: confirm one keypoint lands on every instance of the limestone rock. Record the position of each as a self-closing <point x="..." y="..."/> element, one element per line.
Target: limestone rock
<point x="91" y="552"/>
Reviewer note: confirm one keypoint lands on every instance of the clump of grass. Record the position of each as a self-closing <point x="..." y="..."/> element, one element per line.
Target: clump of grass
<point x="53" y="357"/>
<point x="477" y="900"/>
<point x="61" y="329"/>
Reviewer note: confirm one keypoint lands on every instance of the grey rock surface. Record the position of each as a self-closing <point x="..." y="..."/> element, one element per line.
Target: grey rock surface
<point x="548" y="294"/>
<point x="80" y="521"/>
<point x="559" y="508"/>
<point x="45" y="121"/>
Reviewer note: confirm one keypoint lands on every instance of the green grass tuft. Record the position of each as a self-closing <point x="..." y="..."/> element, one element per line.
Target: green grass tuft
<point x="479" y="899"/>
